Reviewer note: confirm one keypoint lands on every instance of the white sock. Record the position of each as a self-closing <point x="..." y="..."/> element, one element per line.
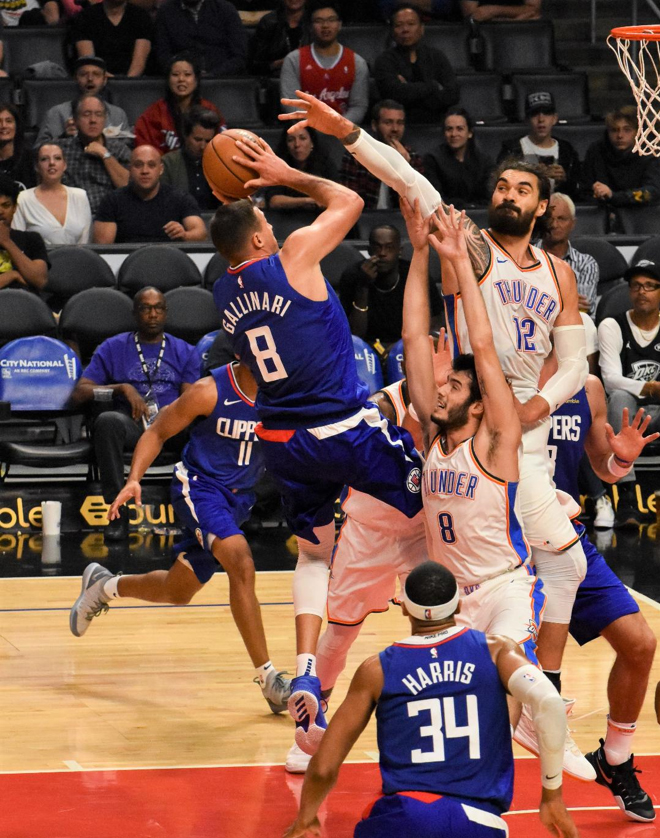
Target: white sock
<point x="262" y="671"/>
<point x="110" y="588"/>
<point x="618" y="741"/>
<point x="305" y="665"/>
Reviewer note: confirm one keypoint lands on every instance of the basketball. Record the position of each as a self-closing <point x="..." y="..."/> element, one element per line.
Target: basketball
<point x="225" y="175"/>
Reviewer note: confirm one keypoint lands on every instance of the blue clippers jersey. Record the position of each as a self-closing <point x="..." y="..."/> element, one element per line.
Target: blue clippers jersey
<point x="568" y="431"/>
<point x="300" y="351"/>
<point x="442" y="719"/>
<point x="223" y="447"/>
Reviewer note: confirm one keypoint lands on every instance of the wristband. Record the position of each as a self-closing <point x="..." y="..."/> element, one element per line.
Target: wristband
<point x="357" y="308"/>
<point x="616" y="468"/>
<point x="107" y="155"/>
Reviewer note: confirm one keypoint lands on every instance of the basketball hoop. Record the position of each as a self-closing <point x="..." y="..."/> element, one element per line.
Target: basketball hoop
<point x="643" y="73"/>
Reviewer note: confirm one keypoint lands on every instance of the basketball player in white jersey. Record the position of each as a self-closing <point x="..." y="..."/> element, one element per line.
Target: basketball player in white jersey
<point x="528" y="294"/>
<point x="472" y="440"/>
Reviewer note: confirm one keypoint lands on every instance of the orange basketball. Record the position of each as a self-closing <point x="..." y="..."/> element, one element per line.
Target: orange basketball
<point x="225" y="175"/>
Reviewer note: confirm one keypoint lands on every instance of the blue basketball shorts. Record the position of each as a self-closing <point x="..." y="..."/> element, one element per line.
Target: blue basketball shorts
<point x="601" y="597"/>
<point x="415" y="814"/>
<point x="364" y="451"/>
<point x="206" y="511"/>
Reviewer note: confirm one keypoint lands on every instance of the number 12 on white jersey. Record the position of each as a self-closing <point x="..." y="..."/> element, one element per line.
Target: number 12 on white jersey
<point x="264" y="350"/>
<point x="434" y="730"/>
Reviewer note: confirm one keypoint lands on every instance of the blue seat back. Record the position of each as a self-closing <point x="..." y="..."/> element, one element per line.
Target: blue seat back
<point x="38" y="373"/>
<point x="202" y="348"/>
<point x="394" y="368"/>
<point x="368" y="365"/>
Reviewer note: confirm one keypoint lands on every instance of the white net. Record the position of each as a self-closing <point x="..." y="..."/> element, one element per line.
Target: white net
<point x="639" y="59"/>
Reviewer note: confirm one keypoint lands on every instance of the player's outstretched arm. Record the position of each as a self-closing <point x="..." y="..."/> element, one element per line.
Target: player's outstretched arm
<point x="612" y="455"/>
<point x="343" y="731"/>
<point x="198" y="400"/>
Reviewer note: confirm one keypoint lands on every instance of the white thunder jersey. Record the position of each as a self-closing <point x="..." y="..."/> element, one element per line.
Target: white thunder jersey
<point x="522" y="305"/>
<point x="472" y="517"/>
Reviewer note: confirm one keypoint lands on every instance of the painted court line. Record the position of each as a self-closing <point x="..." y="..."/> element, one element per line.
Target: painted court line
<point x="133" y="607"/>
<point x="72" y="765"/>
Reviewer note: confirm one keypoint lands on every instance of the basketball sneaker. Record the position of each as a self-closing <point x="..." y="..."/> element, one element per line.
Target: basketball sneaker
<point x="574" y="762"/>
<point x="305" y="706"/>
<point x="276" y="690"/>
<point x="604" y="519"/>
<point x="296" y="760"/>
<point x="624" y="785"/>
<point x="91" y="601"/>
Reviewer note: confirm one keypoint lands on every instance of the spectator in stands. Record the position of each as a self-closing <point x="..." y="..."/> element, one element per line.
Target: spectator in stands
<point x="334" y="73"/>
<point x="211" y="29"/>
<point x="457" y="169"/>
<point x="161" y="125"/>
<point x="388" y="124"/>
<point x="302" y="150"/>
<point x="146" y="370"/>
<point x="371" y="292"/>
<point x="277" y="34"/>
<point x="23" y="258"/>
<point x="414" y="73"/>
<point x="560" y="159"/>
<point x="95" y="163"/>
<point x="482" y="10"/>
<point x="559" y="223"/>
<point x="29" y="12"/>
<point x="147" y="210"/>
<point x="117" y="31"/>
<point x="630" y="368"/>
<point x="59" y="213"/>
<point x="15" y="157"/>
<point x="91" y="76"/>
<point x="613" y="173"/>
<point x="182" y="169"/>
<point x="437" y="9"/>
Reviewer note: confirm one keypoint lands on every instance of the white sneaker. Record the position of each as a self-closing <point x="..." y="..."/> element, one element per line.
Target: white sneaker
<point x="296" y="760"/>
<point x="574" y="763"/>
<point x="276" y="691"/>
<point x="604" y="519"/>
<point x="91" y="601"/>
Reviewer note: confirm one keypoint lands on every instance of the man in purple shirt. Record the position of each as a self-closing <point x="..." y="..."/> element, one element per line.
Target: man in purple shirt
<point x="145" y="370"/>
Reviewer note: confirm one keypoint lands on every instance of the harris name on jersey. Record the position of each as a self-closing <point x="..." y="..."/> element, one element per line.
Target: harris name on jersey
<point x="438" y="672"/>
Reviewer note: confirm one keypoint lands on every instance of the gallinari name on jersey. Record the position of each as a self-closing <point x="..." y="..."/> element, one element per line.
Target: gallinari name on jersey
<point x="249" y="301"/>
<point x="439" y="672"/>
<point x="517" y="291"/>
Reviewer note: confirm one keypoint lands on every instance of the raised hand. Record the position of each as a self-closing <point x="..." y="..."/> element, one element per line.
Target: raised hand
<point x="272" y="170"/>
<point x="629" y="443"/>
<point x="418" y="227"/>
<point x="441" y="358"/>
<point x="132" y="489"/>
<point x="315" y="114"/>
<point x="448" y="240"/>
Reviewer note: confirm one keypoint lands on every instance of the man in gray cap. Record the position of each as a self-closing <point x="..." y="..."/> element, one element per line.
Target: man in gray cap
<point x="630" y="368"/>
<point x="91" y="76"/>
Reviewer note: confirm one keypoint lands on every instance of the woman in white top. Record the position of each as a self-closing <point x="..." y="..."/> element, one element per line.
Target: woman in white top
<point x="59" y="213"/>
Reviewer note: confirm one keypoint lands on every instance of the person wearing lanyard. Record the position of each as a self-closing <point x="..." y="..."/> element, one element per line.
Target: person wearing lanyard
<point x="145" y="370"/>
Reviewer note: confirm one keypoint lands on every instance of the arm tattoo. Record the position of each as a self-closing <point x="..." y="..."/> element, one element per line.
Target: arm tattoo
<point x="352" y="137"/>
<point x="478" y="250"/>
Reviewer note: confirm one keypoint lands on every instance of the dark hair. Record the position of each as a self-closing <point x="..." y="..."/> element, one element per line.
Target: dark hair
<point x="430" y="584"/>
<point x="385" y="104"/>
<point x="19" y="139"/>
<point x="170" y="100"/>
<point x="313" y="162"/>
<point x="316" y="5"/>
<point x="391" y="227"/>
<point x="198" y="115"/>
<point x="231" y="226"/>
<point x="465" y="363"/>
<point x="626" y="113"/>
<point x="401" y="6"/>
<point x="78" y="102"/>
<point x="8" y="187"/>
<point x="37" y="151"/>
<point x="545" y="189"/>
<point x="471" y="148"/>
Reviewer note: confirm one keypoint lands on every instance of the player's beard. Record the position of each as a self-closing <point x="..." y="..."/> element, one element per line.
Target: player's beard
<point x="515" y="223"/>
<point x="457" y="416"/>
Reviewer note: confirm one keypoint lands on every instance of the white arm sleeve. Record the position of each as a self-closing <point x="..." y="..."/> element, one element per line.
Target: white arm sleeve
<point x="389" y="166"/>
<point x="529" y="685"/>
<point x="571" y="352"/>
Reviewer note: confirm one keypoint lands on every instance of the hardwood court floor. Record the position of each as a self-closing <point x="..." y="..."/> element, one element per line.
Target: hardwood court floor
<point x="151" y="687"/>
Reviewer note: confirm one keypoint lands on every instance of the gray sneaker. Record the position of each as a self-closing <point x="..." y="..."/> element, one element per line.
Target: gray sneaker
<point x="91" y="601"/>
<point x="277" y="690"/>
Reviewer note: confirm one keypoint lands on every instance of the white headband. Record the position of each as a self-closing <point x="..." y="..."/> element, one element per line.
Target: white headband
<point x="431" y="613"/>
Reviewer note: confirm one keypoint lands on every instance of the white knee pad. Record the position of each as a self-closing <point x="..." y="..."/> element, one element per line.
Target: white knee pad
<point x="310" y="578"/>
<point x="332" y="652"/>
<point x="561" y="574"/>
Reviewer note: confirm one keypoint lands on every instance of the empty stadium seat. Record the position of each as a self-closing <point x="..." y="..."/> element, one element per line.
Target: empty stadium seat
<point x="367" y="41"/>
<point x="334" y="264"/>
<point x="489" y="138"/>
<point x="215" y="268"/>
<point x="452" y="39"/>
<point x="135" y="95"/>
<point x="640" y="221"/>
<point x="74" y="269"/>
<point x="615" y="302"/>
<point x="286" y="221"/>
<point x="580" y="136"/>
<point x="512" y="46"/>
<point x="237" y="98"/>
<point x="368" y="365"/>
<point x="590" y="220"/>
<point x="570" y="91"/>
<point x="40" y="95"/>
<point x="91" y="316"/>
<point x="191" y="313"/>
<point x="479" y="215"/>
<point x="424" y="138"/>
<point x="162" y="265"/>
<point x="434" y="260"/>
<point x="29" y="45"/>
<point x="481" y="96"/>
<point x="6" y="90"/>
<point x="202" y="349"/>
<point x="611" y="263"/>
<point x="372" y="218"/>
<point x="23" y="314"/>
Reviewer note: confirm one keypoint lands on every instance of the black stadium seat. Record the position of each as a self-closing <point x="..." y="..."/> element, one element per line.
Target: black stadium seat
<point x="29" y="45"/>
<point x="611" y="263"/>
<point x="373" y="218"/>
<point x="569" y="89"/>
<point x="191" y="313"/>
<point x="489" y="138"/>
<point x="135" y="95"/>
<point x="6" y="90"/>
<point x="452" y="39"/>
<point x="481" y="96"/>
<point x="237" y="98"/>
<point x="590" y="221"/>
<point x="367" y="41"/>
<point x="74" y="269"/>
<point x="91" y="316"/>
<point x="650" y="249"/>
<point x="39" y="95"/>
<point x="616" y="301"/>
<point x="161" y="265"/>
<point x="335" y="263"/>
<point x="640" y="221"/>
<point x="514" y="46"/>
<point x="424" y="138"/>
<point x="215" y="268"/>
<point x="23" y="314"/>
<point x="580" y="136"/>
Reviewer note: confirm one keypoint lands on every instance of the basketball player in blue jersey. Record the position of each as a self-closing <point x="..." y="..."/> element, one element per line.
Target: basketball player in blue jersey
<point x="603" y="605"/>
<point x="212" y="494"/>
<point x="442" y="725"/>
<point x="317" y="430"/>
